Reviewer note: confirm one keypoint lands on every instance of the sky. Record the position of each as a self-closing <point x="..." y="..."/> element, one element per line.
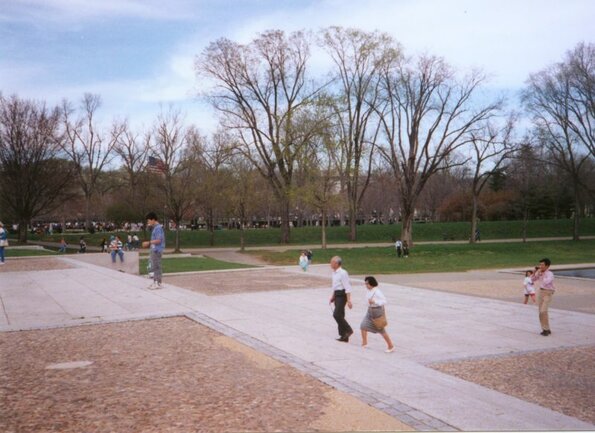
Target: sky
<point x="139" y="54"/>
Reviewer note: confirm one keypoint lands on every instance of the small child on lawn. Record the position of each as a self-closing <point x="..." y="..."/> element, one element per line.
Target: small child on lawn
<point x="304" y="261"/>
<point x="529" y="288"/>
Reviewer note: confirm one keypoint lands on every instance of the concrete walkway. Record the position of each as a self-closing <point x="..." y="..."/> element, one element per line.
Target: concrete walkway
<point x="296" y="327"/>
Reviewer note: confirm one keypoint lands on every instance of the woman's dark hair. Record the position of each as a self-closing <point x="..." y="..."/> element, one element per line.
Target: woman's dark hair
<point x="152" y="216"/>
<point x="371" y="281"/>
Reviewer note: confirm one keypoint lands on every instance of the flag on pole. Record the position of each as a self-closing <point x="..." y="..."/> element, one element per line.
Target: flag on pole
<point x="155" y="165"/>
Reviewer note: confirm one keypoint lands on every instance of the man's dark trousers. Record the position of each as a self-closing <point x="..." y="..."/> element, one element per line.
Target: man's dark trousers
<point x="339" y="314"/>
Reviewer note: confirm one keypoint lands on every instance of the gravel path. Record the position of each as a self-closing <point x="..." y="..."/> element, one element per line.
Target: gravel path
<point x="168" y="375"/>
<point x="562" y="380"/>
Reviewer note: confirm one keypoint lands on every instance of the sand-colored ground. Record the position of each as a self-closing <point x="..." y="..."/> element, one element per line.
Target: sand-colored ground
<point x="257" y="280"/>
<point x="562" y="380"/>
<point x="20" y="264"/>
<point x="167" y="375"/>
<point x="572" y="294"/>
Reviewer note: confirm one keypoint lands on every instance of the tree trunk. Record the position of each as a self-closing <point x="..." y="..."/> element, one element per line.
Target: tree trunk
<point x="63" y="224"/>
<point x="473" y="219"/>
<point x="242" y="237"/>
<point x="88" y="212"/>
<point x="577" y="215"/>
<point x="323" y="232"/>
<point x="22" y="233"/>
<point x="177" y="249"/>
<point x="407" y="227"/>
<point x="352" y="222"/>
<point x="525" y="223"/>
<point x="211" y="226"/>
<point x="285" y="231"/>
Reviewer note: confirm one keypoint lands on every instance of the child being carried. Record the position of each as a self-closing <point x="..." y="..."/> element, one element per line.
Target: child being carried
<point x="529" y="288"/>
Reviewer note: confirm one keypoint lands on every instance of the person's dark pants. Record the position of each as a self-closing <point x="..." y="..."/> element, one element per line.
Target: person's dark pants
<point x="339" y="314"/>
<point x="155" y="258"/>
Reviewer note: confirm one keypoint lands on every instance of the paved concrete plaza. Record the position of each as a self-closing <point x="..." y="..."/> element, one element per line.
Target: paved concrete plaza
<point x="295" y="326"/>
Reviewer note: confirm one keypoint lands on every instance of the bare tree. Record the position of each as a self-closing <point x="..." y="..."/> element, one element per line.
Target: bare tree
<point x="133" y="150"/>
<point x="214" y="156"/>
<point x="427" y="114"/>
<point x="580" y="67"/>
<point x="35" y="176"/>
<point x="359" y="58"/>
<point x="490" y="147"/>
<point x="177" y="164"/>
<point x="561" y="101"/>
<point x="88" y="147"/>
<point x="261" y="90"/>
<point x="436" y="190"/>
<point x="526" y="171"/>
<point x="243" y="192"/>
<point x="321" y="174"/>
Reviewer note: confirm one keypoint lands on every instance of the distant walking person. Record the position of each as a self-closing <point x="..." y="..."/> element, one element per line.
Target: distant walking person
<point x="304" y="261"/>
<point x="529" y="287"/>
<point x="3" y="242"/>
<point x="376" y="302"/>
<point x="544" y="279"/>
<point x="341" y="296"/>
<point x="399" y="247"/>
<point x="135" y="242"/>
<point x="157" y="245"/>
<point x="82" y="245"/>
<point x="63" y="246"/>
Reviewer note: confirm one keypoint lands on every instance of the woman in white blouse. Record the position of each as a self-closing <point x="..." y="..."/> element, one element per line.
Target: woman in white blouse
<point x="376" y="303"/>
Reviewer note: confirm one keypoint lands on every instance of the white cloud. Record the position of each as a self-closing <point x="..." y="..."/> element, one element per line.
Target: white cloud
<point x="507" y="39"/>
<point x="14" y="74"/>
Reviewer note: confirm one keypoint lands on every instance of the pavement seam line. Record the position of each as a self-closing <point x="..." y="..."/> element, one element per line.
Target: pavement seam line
<point x="83" y="322"/>
<point x="384" y="403"/>
<point x="4" y="311"/>
<point x="504" y="355"/>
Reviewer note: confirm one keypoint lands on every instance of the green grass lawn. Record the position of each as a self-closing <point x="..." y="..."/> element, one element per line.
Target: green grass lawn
<point x="191" y="264"/>
<point x="445" y="257"/>
<point x="11" y="252"/>
<point x="365" y="233"/>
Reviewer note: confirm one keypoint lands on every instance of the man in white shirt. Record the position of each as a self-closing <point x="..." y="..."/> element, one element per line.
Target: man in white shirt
<point x="341" y="295"/>
<point x="544" y="279"/>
